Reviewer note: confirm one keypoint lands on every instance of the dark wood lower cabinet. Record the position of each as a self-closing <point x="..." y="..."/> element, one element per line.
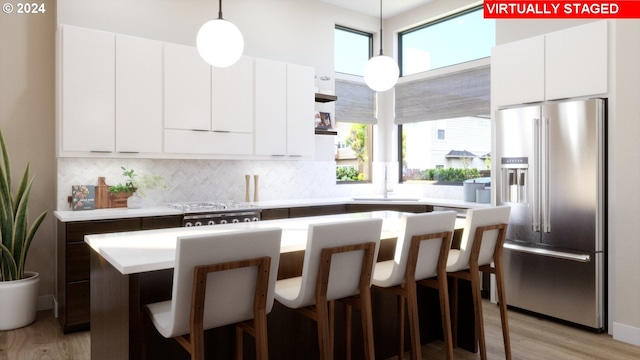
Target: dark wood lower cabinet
<point x="119" y="332"/>
<point x="73" y="284"/>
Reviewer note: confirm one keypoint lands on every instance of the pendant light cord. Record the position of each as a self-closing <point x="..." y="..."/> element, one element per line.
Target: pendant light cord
<point x="220" y="10"/>
<point x="380" y="27"/>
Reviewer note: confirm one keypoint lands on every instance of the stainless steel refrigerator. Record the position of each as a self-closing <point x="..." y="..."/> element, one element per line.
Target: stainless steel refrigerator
<point x="552" y="172"/>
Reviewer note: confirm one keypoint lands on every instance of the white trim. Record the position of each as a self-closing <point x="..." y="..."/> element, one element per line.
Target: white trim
<point x="45" y="302"/>
<point x="626" y="333"/>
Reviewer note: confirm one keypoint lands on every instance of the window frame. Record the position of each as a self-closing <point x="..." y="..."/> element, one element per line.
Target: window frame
<point x="426" y="25"/>
<point x="368" y="127"/>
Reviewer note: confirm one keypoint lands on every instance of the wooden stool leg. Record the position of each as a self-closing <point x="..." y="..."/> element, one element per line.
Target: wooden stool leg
<point x="347" y="332"/>
<point x="400" y="305"/>
<point x="324" y="334"/>
<point x="454" y="312"/>
<point x="443" y="290"/>
<point x="414" y="325"/>
<point x="262" y="340"/>
<point x="366" y="313"/>
<point x="502" y="303"/>
<point x="239" y="342"/>
<point x="477" y="305"/>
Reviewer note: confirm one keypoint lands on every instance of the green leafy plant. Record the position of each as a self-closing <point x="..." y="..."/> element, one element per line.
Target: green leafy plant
<point x="347" y="173"/>
<point x="128" y="186"/>
<point x="14" y="220"/>
<point x="138" y="183"/>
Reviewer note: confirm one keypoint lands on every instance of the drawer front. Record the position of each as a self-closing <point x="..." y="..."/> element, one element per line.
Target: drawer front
<point x="161" y="222"/>
<point x="77" y="230"/>
<point x="78" y="304"/>
<point x="77" y="261"/>
<point x="273" y="214"/>
<point x="317" y="210"/>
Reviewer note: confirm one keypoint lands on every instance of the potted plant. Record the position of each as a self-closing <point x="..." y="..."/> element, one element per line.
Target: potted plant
<point x="18" y="288"/>
<point x="130" y="193"/>
<point x="120" y="193"/>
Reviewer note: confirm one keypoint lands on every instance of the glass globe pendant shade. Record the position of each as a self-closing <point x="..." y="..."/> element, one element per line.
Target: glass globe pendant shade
<point x="381" y="73"/>
<point x="220" y="43"/>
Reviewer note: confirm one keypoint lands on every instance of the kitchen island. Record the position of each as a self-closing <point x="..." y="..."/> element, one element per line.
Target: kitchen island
<point x="130" y="269"/>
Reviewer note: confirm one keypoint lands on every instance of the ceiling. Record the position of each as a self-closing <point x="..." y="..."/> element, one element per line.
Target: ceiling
<point x="390" y="8"/>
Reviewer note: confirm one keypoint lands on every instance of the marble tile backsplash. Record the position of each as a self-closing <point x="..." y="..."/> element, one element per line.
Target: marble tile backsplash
<point x="201" y="180"/>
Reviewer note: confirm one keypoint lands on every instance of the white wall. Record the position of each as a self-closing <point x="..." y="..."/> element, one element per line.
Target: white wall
<point x="27" y="119"/>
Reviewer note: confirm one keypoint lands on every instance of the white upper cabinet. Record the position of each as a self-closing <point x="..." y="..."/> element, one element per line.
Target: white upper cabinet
<point x="562" y="64"/>
<point x="300" y="110"/>
<point x="576" y="61"/>
<point x="232" y="92"/>
<point x="138" y="95"/>
<point x="87" y="73"/>
<point x="271" y="108"/>
<point x="187" y="89"/>
<point x="517" y="72"/>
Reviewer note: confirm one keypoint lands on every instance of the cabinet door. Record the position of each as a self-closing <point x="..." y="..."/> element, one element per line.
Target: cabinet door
<point x="138" y="95"/>
<point x="517" y="72"/>
<point x="88" y="90"/>
<point x="187" y="89"/>
<point x="207" y="142"/>
<point x="271" y="108"/>
<point x="576" y="61"/>
<point x="232" y="97"/>
<point x="300" y="110"/>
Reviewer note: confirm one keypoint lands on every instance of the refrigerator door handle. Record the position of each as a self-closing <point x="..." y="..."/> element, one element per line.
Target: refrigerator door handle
<point x="535" y="202"/>
<point x="546" y="218"/>
<point x="585" y="258"/>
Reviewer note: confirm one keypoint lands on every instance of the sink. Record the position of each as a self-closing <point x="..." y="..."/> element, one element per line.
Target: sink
<point x="382" y="198"/>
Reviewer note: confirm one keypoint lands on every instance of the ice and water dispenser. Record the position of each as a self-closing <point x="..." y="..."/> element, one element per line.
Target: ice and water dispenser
<point x="514" y="179"/>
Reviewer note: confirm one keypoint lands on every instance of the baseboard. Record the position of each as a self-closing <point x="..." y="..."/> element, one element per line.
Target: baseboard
<point x="626" y="333"/>
<point x="45" y="302"/>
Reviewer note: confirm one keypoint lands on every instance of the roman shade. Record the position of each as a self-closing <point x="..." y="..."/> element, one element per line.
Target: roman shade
<point x="356" y="102"/>
<point x="458" y="94"/>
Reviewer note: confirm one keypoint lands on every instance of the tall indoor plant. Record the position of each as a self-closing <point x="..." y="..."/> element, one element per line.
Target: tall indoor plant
<point x="16" y="236"/>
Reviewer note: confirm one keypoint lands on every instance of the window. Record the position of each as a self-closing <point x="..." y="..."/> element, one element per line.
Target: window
<point x="452" y="40"/>
<point x="444" y="133"/>
<point x="353" y="49"/>
<point x="355" y="106"/>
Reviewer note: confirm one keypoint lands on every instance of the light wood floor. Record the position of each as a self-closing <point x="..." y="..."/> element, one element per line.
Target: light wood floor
<point x="531" y="339"/>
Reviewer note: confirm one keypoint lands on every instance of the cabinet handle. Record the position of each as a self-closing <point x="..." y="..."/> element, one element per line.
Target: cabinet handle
<point x="222" y="131"/>
<point x="129" y="152"/>
<point x="101" y="151"/>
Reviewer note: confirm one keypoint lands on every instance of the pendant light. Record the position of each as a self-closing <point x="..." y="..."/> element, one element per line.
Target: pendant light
<point x="381" y="72"/>
<point x="219" y="42"/>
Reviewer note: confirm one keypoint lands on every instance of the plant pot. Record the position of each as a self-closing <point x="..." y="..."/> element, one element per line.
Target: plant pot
<point x="119" y="200"/>
<point x="19" y="301"/>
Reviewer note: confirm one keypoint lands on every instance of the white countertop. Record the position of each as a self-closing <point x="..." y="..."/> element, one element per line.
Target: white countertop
<point x="117" y="213"/>
<point x="142" y="251"/>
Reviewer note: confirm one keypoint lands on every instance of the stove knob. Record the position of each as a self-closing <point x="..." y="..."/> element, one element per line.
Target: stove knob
<point x="247" y="220"/>
<point x="198" y="223"/>
<point x="188" y="224"/>
<point x="235" y="221"/>
<point x="223" y="221"/>
<point x="211" y="222"/>
<point x="255" y="219"/>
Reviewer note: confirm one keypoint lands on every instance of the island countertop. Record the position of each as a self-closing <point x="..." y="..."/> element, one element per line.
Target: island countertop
<point x="151" y="250"/>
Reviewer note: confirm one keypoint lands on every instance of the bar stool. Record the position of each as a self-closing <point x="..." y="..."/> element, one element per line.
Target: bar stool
<point x="420" y="255"/>
<point x="338" y="263"/>
<point x="220" y="279"/>
<point x="481" y="245"/>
